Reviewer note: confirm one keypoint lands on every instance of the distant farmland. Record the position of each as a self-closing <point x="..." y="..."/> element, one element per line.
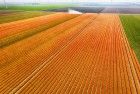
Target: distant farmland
<point x="43" y="53"/>
<point x="34" y="7"/>
<point x="100" y="9"/>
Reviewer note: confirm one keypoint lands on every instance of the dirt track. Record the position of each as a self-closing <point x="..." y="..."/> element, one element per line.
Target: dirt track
<point x="94" y="59"/>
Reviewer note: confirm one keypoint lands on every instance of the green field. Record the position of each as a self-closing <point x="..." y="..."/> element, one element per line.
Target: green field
<point x="35" y="7"/>
<point x="21" y="15"/>
<point x="131" y="25"/>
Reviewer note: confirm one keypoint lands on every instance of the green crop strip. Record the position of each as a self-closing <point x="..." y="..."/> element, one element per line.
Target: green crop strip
<point x="20" y="36"/>
<point x="21" y="15"/>
<point x="36" y="7"/>
<point x="131" y="24"/>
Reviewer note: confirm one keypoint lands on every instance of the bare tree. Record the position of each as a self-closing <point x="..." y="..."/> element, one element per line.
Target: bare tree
<point x="5" y="4"/>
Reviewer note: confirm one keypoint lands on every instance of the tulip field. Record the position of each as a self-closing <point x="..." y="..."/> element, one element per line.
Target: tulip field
<point x="61" y="53"/>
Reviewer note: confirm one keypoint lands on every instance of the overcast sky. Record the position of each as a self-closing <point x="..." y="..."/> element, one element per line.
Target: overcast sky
<point x="69" y="0"/>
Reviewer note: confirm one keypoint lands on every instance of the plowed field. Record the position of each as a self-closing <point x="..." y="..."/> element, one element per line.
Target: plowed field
<point x="82" y="54"/>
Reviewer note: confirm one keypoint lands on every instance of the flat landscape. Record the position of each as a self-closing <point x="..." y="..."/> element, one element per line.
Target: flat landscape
<point x="61" y="53"/>
<point x="100" y="9"/>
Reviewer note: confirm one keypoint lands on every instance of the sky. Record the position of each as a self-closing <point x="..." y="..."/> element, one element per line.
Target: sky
<point x="69" y="0"/>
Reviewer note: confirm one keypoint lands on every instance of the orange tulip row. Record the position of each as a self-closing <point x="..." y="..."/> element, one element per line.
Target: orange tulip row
<point x="9" y="29"/>
<point x="32" y="52"/>
<point x="86" y="55"/>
